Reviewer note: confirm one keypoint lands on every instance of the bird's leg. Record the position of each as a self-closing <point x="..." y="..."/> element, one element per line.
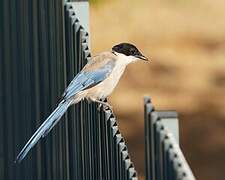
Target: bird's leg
<point x="99" y="107"/>
<point x="104" y="104"/>
<point x="88" y="100"/>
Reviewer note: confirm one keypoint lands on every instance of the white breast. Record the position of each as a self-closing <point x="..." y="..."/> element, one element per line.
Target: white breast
<point x="105" y="88"/>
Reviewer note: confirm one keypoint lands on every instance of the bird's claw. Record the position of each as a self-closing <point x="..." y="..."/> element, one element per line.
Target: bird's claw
<point x="105" y="107"/>
<point x="99" y="107"/>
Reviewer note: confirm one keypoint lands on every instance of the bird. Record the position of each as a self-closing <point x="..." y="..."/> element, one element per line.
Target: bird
<point x="94" y="82"/>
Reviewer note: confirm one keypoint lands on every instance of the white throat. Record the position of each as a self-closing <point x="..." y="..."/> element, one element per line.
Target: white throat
<point x="125" y="59"/>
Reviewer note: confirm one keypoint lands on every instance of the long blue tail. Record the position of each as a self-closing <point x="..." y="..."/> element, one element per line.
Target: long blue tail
<point x="45" y="128"/>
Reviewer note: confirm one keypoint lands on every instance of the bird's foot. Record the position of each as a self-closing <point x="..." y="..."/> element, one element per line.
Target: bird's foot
<point x="105" y="105"/>
<point x="99" y="107"/>
<point x="108" y="106"/>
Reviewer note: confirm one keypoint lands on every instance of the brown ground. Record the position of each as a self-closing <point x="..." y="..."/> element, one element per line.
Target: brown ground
<point x="186" y="41"/>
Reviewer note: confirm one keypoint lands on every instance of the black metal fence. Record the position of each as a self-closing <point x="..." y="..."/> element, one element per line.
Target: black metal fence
<point x="43" y="46"/>
<point x="163" y="157"/>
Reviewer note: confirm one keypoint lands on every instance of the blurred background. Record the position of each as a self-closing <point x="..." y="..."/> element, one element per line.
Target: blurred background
<point x="185" y="40"/>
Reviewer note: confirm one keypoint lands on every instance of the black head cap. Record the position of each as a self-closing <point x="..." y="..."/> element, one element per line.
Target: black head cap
<point x="128" y="50"/>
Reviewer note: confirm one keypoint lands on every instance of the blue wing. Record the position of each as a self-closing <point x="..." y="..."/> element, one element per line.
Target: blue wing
<point x="85" y="79"/>
<point x="88" y="78"/>
<point x="93" y="73"/>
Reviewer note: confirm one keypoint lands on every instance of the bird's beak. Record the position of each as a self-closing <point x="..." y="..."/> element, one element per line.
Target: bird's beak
<point x="142" y="57"/>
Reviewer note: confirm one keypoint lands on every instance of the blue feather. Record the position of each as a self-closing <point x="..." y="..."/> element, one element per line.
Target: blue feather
<point x="87" y="79"/>
<point x="82" y="81"/>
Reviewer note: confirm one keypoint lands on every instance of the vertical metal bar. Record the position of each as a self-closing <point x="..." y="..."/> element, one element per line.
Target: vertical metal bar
<point x="148" y="109"/>
<point x="2" y="159"/>
<point x="158" y="128"/>
<point x="6" y="90"/>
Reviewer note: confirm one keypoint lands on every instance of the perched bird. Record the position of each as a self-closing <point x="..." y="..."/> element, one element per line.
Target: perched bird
<point x="94" y="82"/>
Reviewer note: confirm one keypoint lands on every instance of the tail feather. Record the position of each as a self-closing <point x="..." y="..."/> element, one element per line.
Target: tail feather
<point x="45" y="128"/>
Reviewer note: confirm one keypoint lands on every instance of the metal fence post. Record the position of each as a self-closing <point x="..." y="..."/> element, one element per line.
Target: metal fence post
<point x="164" y="159"/>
